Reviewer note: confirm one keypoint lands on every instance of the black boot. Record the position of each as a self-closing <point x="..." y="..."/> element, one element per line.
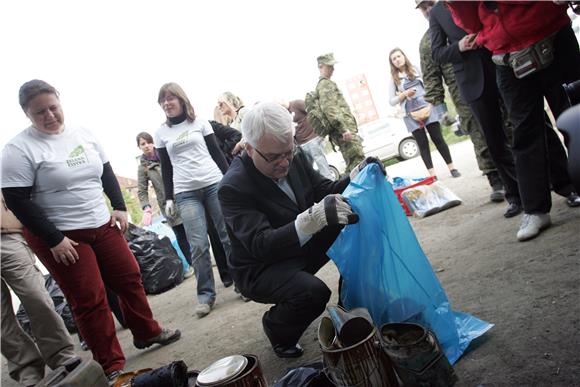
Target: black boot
<point x="497" y="190"/>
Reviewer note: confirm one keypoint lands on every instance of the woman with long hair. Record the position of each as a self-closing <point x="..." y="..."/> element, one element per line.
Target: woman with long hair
<point x="407" y="90"/>
<point x="232" y="107"/>
<point x="149" y="170"/>
<point x="192" y="165"/>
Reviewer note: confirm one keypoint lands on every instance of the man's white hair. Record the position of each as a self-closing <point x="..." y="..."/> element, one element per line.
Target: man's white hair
<point x="267" y="117"/>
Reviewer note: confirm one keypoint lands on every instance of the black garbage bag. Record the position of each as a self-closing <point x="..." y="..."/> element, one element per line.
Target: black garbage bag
<point x="307" y="375"/>
<point x="171" y="375"/>
<point x="60" y="305"/>
<point x="161" y="268"/>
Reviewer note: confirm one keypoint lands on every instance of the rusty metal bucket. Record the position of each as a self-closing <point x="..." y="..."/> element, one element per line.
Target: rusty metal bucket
<point x="230" y="372"/>
<point x="351" y="326"/>
<point x="417" y="355"/>
<point x="362" y="363"/>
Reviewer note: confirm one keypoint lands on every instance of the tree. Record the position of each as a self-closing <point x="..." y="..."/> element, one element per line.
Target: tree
<point x="133" y="210"/>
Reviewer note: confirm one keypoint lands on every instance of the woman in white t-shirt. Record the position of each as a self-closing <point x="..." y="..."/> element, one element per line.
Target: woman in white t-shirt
<point x="53" y="179"/>
<point x="407" y="90"/>
<point x="192" y="165"/>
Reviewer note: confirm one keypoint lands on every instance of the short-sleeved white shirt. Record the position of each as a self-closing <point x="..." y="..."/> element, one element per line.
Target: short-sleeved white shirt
<point x="65" y="172"/>
<point x="193" y="166"/>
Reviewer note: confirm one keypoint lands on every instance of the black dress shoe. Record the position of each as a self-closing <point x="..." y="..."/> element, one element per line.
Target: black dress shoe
<point x="512" y="210"/>
<point x="573" y="200"/>
<point x="288" y="351"/>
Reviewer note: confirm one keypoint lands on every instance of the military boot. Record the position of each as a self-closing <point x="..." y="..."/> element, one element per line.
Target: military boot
<point x="497" y="190"/>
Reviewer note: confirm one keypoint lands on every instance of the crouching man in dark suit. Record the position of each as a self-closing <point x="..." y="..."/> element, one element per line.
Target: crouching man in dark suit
<point x="281" y="216"/>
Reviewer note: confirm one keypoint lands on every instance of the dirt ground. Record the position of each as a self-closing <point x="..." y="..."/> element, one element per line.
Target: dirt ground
<point x="530" y="291"/>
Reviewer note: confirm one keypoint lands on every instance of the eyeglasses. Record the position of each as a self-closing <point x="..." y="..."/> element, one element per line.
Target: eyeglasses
<point x="169" y="98"/>
<point x="276" y="158"/>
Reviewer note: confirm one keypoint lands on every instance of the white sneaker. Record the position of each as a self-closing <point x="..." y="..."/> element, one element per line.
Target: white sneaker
<point x="188" y="273"/>
<point x="202" y="310"/>
<point x="532" y="224"/>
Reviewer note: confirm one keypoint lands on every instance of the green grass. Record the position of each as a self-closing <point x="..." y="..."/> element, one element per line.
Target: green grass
<point x="448" y="135"/>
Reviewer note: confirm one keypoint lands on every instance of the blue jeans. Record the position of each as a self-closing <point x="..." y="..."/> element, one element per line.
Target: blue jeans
<point x="192" y="206"/>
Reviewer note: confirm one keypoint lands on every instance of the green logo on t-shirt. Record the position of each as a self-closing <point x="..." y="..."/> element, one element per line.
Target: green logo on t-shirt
<point x="182" y="138"/>
<point x="77" y="157"/>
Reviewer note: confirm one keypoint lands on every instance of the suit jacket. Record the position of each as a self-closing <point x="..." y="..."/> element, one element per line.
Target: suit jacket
<point x="468" y="65"/>
<point x="260" y="219"/>
<point x="227" y="138"/>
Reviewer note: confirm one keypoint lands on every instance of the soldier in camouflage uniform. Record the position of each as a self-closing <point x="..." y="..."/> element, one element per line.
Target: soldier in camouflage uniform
<point x="433" y="76"/>
<point x="342" y="129"/>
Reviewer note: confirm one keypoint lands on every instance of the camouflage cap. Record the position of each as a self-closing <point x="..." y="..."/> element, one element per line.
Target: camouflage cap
<point x="327" y="59"/>
<point x="419" y="2"/>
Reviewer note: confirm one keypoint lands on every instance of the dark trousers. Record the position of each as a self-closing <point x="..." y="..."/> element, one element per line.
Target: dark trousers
<point x="540" y="158"/>
<point x="434" y="130"/>
<point x="182" y="242"/>
<point x="299" y="298"/>
<point x="219" y="254"/>
<point x="487" y="111"/>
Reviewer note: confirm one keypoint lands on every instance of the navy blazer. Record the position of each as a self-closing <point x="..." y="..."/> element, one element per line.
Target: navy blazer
<point x="468" y="66"/>
<point x="260" y="217"/>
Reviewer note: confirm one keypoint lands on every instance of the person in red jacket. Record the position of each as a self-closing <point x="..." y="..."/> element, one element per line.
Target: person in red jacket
<point x="535" y="52"/>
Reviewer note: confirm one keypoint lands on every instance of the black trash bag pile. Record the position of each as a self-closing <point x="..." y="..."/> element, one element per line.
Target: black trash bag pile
<point x="171" y="375"/>
<point x="307" y="375"/>
<point x="161" y="268"/>
<point x="60" y="305"/>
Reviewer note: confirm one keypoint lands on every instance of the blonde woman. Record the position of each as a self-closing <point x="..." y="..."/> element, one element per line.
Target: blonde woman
<point x="232" y="107"/>
<point x="219" y="117"/>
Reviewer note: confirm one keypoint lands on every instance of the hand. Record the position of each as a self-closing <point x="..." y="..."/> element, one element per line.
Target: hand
<point x="240" y="146"/>
<point x="170" y="209"/>
<point x="410" y="92"/>
<point x="330" y="211"/>
<point x="369" y="160"/>
<point x="447" y="119"/>
<point x="467" y="43"/>
<point x="347" y="136"/>
<point x="121" y="217"/>
<point x="65" y="252"/>
<point x="147" y="216"/>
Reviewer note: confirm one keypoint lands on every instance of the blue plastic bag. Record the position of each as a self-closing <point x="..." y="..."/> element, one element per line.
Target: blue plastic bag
<point x="385" y="270"/>
<point x="164" y="230"/>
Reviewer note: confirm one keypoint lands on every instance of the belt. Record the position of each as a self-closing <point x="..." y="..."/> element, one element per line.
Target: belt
<point x="504" y="59"/>
<point x="501" y="59"/>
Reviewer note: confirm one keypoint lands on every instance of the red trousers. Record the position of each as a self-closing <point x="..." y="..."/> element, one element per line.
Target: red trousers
<point x="105" y="258"/>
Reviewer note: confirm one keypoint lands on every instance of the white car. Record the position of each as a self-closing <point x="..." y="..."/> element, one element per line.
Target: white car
<point x="384" y="138"/>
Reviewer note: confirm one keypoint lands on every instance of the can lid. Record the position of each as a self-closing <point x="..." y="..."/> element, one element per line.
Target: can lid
<point x="222" y="370"/>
